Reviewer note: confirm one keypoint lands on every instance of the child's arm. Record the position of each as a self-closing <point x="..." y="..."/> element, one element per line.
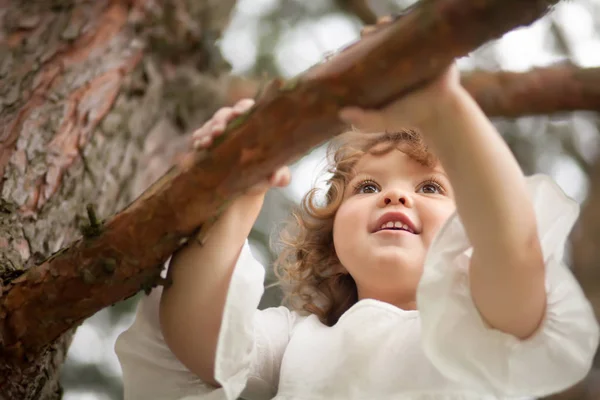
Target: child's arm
<point x="507" y="268"/>
<point x="191" y="308"/>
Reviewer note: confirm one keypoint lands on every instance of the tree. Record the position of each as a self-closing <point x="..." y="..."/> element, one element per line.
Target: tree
<point x="82" y="113"/>
<point x="89" y="89"/>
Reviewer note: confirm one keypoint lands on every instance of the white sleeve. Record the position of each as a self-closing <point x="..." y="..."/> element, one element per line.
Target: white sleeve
<point x="150" y="370"/>
<point x="460" y="344"/>
<point x="249" y="351"/>
<point x="251" y="343"/>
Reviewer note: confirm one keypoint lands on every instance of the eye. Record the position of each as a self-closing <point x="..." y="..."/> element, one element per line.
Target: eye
<point x="431" y="186"/>
<point x="366" y="186"/>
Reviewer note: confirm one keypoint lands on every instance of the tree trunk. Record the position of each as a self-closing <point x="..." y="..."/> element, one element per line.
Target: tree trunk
<point x="89" y="92"/>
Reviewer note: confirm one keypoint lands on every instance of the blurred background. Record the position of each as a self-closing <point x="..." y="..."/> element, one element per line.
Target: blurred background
<point x="268" y="38"/>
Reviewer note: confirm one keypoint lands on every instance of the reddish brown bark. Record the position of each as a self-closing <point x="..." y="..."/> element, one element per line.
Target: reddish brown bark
<point x="547" y="90"/>
<point x="84" y="106"/>
<point x="125" y="254"/>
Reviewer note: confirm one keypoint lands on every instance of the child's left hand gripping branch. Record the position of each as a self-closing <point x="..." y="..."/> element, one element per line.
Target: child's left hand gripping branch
<point x="507" y="273"/>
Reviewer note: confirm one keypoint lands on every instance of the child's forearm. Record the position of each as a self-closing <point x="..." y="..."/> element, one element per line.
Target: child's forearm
<point x="507" y="270"/>
<point x="489" y="187"/>
<point x="192" y="307"/>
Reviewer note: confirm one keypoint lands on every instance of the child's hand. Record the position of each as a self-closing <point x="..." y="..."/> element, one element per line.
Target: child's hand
<point x="204" y="136"/>
<point x="410" y="111"/>
<point x="372" y="28"/>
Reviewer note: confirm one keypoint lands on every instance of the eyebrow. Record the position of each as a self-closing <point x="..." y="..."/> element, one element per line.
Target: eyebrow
<point x="374" y="172"/>
<point x="437" y="171"/>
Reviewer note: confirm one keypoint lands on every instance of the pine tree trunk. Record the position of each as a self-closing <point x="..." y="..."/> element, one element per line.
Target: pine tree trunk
<point x="95" y="97"/>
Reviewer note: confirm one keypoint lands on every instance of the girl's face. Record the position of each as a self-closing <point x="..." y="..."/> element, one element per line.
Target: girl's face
<point x="391" y="211"/>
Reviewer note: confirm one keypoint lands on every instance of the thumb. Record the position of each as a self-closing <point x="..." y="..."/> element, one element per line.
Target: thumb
<point x="364" y="120"/>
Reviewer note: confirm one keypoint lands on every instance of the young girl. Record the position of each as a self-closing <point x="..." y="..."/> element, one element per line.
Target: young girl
<point x="432" y="269"/>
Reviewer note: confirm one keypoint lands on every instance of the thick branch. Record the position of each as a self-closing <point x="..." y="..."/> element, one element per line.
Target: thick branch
<point x="552" y="89"/>
<point x="547" y="90"/>
<point x="290" y="118"/>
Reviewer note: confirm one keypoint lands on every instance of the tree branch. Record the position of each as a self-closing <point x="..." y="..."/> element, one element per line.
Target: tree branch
<point x="541" y="91"/>
<point x="557" y="88"/>
<point x="126" y="254"/>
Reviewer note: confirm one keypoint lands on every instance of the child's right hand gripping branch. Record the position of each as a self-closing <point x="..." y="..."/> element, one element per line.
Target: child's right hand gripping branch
<point x="201" y="273"/>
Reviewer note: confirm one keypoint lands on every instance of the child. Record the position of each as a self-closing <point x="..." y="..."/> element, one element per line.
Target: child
<point x="431" y="270"/>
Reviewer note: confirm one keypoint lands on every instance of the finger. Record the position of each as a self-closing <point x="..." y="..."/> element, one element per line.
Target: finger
<point x="281" y="177"/>
<point x="380" y="22"/>
<point x="222" y="115"/>
<point x="364" y="120"/>
<point x="199" y="135"/>
<point x="203" y="130"/>
<point x="243" y="105"/>
<point x="218" y="128"/>
<point x="384" y="20"/>
<point x="203" y="142"/>
<point x="367" y="30"/>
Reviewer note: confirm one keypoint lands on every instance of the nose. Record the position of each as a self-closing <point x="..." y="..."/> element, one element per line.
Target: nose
<point x="395" y="197"/>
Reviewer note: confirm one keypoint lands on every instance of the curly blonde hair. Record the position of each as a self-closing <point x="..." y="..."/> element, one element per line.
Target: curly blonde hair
<point x="308" y="269"/>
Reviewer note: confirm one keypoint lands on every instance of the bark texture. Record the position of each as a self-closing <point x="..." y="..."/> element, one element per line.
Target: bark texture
<point x="545" y="90"/>
<point x="89" y="90"/>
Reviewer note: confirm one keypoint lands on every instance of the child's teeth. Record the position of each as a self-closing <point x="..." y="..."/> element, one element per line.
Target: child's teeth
<point x="396" y="225"/>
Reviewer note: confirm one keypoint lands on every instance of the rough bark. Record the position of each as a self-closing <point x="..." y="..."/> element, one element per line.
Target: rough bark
<point x="89" y="90"/>
<point x="541" y="91"/>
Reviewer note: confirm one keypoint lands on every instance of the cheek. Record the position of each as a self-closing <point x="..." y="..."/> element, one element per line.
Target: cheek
<point x="341" y="225"/>
<point x="344" y="217"/>
<point x="436" y="220"/>
<point x="347" y="225"/>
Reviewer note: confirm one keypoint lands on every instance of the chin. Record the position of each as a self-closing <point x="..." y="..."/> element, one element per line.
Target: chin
<point x="393" y="257"/>
<point x="397" y="265"/>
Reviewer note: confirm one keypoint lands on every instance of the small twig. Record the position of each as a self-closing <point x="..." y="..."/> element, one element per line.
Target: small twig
<point x="86" y="166"/>
<point x="92" y="216"/>
<point x="94" y="227"/>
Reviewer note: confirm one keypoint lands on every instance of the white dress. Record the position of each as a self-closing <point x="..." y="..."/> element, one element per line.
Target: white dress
<point x="443" y="351"/>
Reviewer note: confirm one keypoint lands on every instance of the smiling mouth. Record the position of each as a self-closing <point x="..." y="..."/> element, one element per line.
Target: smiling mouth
<point x="395" y="226"/>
